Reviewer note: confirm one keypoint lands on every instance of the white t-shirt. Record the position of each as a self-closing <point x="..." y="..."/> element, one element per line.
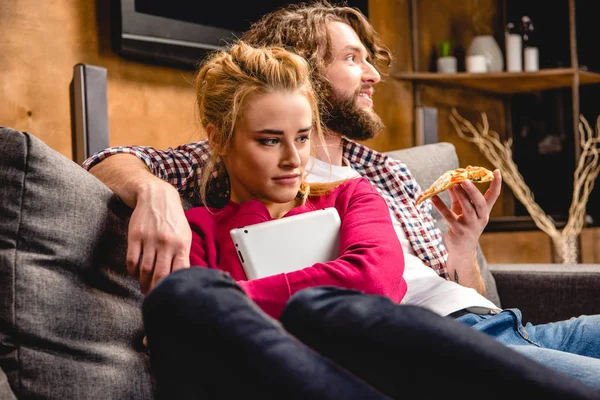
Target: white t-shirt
<point x="425" y="287"/>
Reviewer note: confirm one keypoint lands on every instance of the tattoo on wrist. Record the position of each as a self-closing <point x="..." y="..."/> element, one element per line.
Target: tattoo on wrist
<point x="455" y="276"/>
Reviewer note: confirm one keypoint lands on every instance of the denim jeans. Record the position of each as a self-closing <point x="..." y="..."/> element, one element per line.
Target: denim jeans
<point x="208" y="340"/>
<point x="571" y="347"/>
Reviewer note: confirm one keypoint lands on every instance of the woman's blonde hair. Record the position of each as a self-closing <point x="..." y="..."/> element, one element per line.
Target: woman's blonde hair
<point x="226" y="81"/>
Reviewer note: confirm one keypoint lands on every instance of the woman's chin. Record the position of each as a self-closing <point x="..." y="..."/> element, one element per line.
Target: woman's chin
<point x="285" y="197"/>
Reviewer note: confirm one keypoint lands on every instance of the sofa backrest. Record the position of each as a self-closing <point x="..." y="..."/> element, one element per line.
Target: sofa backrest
<point x="427" y="163"/>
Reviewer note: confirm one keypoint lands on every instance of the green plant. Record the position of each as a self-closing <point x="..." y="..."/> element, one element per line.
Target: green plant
<point x="444" y="48"/>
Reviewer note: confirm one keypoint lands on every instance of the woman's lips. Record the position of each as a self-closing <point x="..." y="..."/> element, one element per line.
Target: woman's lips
<point x="287" y="179"/>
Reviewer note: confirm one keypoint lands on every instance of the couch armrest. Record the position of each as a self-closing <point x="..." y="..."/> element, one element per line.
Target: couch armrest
<point x="548" y="292"/>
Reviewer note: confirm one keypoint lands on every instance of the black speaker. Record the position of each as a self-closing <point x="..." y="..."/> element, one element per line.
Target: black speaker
<point x="89" y="111"/>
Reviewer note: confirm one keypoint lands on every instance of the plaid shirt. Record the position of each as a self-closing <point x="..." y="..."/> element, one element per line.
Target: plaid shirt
<point x="391" y="178"/>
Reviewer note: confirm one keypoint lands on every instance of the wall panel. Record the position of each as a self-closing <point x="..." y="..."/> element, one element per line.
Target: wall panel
<point x="394" y="99"/>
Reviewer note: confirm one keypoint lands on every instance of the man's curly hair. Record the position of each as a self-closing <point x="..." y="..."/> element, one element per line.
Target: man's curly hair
<point x="302" y="28"/>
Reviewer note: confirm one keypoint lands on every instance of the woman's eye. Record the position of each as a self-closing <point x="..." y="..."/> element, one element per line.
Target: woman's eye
<point x="268" y="142"/>
<point x="304" y="138"/>
<point x="351" y="57"/>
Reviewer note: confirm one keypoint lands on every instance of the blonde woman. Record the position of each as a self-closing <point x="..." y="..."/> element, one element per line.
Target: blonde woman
<point x="260" y="114"/>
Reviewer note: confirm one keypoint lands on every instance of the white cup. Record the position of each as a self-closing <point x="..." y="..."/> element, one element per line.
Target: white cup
<point x="476" y="63"/>
<point x="446" y="65"/>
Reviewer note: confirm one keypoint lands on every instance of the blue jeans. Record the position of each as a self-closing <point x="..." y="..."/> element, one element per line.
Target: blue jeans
<point x="208" y="340"/>
<point x="571" y="347"/>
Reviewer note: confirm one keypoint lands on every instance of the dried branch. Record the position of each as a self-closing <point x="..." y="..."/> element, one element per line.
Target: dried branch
<point x="585" y="175"/>
<point x="500" y="155"/>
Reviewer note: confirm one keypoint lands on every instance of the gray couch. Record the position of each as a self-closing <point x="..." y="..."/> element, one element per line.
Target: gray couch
<point x="70" y="322"/>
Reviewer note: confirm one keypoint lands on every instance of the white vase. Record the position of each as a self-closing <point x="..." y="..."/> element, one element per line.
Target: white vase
<point x="486" y="45"/>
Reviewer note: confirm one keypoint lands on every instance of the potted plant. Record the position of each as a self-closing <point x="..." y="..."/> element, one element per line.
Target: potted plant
<point x="446" y="62"/>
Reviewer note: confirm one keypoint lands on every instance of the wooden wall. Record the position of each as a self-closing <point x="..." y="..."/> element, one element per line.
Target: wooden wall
<point x="41" y="41"/>
<point x="535" y="247"/>
<point x="394" y="99"/>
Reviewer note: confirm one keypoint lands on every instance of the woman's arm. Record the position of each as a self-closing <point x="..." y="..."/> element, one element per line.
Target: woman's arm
<point x="371" y="258"/>
<point x="202" y="251"/>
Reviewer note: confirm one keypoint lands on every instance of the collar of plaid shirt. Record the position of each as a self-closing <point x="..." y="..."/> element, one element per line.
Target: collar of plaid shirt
<point x="392" y="179"/>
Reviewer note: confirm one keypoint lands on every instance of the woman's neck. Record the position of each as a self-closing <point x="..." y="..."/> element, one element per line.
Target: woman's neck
<point x="278" y="210"/>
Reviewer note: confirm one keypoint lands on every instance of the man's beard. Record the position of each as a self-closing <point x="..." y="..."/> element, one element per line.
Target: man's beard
<point x="342" y="115"/>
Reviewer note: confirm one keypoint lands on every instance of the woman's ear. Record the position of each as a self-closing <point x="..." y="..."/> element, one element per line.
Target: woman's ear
<point x="211" y="132"/>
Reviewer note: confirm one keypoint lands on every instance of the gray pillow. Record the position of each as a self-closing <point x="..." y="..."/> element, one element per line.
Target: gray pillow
<point x="6" y="392"/>
<point x="427" y="163"/>
<point x="70" y="319"/>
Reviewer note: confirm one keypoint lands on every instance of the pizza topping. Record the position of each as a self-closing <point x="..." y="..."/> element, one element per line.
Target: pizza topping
<point x="453" y="177"/>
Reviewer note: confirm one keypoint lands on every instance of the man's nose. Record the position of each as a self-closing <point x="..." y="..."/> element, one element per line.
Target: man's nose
<point x="371" y="74"/>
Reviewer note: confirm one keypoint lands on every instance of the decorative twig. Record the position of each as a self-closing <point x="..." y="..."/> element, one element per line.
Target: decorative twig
<point x="585" y="174"/>
<point x="500" y="155"/>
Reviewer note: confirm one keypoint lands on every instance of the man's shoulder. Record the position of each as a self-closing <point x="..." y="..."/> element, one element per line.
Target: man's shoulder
<point x="200" y="147"/>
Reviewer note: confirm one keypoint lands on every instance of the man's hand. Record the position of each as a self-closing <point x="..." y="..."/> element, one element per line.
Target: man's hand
<point x="467" y="218"/>
<point x="159" y="235"/>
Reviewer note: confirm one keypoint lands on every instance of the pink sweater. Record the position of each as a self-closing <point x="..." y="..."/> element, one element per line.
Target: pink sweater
<point x="371" y="258"/>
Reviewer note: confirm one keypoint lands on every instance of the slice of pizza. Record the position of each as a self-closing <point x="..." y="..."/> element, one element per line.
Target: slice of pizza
<point x="455" y="176"/>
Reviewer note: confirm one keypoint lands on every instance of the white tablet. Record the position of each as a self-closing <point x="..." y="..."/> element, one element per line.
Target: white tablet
<point x="288" y="244"/>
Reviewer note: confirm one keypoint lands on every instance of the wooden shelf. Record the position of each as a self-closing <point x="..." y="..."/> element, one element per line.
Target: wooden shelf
<point x="506" y="82"/>
<point x="519" y="223"/>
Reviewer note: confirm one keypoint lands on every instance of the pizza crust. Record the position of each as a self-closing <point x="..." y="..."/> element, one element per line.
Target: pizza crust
<point x="455" y="176"/>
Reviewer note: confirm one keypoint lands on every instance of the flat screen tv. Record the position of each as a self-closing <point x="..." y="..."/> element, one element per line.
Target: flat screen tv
<point x="181" y="32"/>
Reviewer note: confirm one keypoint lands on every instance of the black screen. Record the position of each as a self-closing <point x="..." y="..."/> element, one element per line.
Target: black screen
<point x="181" y="33"/>
<point x="235" y="16"/>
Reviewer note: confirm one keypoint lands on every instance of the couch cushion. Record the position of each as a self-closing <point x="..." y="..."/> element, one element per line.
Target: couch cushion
<point x="427" y="163"/>
<point x="70" y="319"/>
<point x="6" y="392"/>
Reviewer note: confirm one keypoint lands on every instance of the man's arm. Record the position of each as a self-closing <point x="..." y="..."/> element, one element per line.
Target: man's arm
<point x="178" y="166"/>
<point x="467" y="217"/>
<point x="159" y="235"/>
<point x="465" y="270"/>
